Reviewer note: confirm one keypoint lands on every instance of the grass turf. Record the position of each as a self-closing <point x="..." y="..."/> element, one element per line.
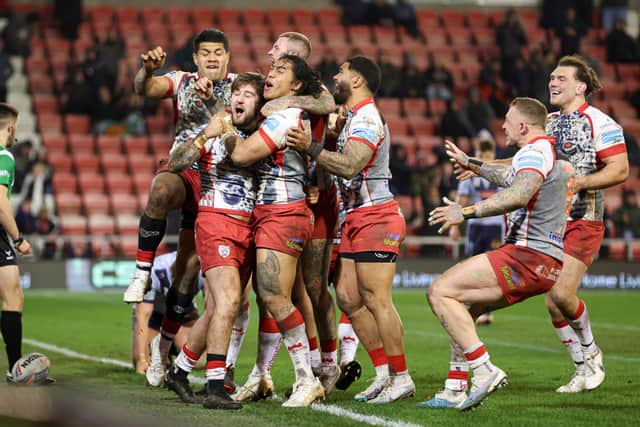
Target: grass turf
<point x="521" y="341"/>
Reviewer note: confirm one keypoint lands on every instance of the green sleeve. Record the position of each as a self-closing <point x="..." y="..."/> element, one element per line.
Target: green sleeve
<point x="6" y="170"/>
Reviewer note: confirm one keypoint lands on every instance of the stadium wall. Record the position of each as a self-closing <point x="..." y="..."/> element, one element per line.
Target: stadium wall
<point x="84" y="275"/>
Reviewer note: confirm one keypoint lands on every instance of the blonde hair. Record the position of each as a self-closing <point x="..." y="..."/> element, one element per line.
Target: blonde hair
<point x="300" y="42"/>
<point x="534" y="111"/>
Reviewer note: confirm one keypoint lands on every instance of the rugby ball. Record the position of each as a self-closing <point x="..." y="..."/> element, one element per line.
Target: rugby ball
<point x="31" y="369"/>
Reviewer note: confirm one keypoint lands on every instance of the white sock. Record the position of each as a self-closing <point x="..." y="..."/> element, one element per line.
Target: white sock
<point x="314" y="357"/>
<point x="582" y="327"/>
<point x="570" y="339"/>
<point x="348" y="343"/>
<point x="298" y="347"/>
<point x="186" y="360"/>
<point x="382" y="370"/>
<point x="238" y="332"/>
<point x="269" y="340"/>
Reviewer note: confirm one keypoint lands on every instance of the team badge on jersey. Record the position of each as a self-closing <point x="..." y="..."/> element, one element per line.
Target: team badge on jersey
<point x="224" y="251"/>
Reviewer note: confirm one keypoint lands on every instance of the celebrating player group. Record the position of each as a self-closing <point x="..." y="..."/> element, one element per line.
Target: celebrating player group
<point x="270" y="170"/>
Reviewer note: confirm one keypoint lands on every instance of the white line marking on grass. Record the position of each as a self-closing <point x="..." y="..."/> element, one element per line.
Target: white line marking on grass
<point x="520" y="346"/>
<point x="330" y="409"/>
<point x="602" y="325"/>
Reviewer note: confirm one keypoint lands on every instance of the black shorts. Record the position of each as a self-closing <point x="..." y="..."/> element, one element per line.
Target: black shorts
<point x="7" y="253"/>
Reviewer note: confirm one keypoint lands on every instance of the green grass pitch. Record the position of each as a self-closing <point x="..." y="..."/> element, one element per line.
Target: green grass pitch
<point x="521" y="341"/>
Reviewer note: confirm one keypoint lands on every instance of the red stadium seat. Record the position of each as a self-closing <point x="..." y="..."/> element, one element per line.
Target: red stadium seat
<point x="153" y="15"/>
<point x="390" y="107"/>
<point x="51" y="123"/>
<point x="415" y="107"/>
<point x="64" y="182"/>
<point x="127" y="14"/>
<point x="68" y="203"/>
<point x="428" y="20"/>
<point x="95" y="203"/>
<point x="142" y="183"/>
<point x="143" y="198"/>
<point x="359" y="33"/>
<point x="453" y="19"/>
<point x="143" y="163"/>
<point x="101" y="225"/>
<point x="60" y="161"/>
<point x="328" y="17"/>
<point x="73" y="224"/>
<point x="398" y="126"/>
<point x="436" y="39"/>
<point x="85" y="161"/>
<point x="136" y="145"/>
<point x="422" y="125"/>
<point x="204" y="17"/>
<point x="303" y="17"/>
<point x="124" y="203"/>
<point x="81" y="143"/>
<point x="157" y="124"/>
<point x="56" y="143"/>
<point x="77" y="123"/>
<point x="91" y="182"/>
<point x="127" y="224"/>
<point x="113" y="163"/>
<point x="128" y="247"/>
<point x="45" y="103"/>
<point x="437" y="107"/>
<point x="178" y="14"/>
<point x="118" y="182"/>
<point x="459" y="36"/>
<point x="278" y="17"/>
<point x="617" y="251"/>
<point x="428" y="141"/>
<point x="108" y="144"/>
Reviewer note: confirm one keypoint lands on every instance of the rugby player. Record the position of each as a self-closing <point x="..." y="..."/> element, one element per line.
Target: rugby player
<point x="594" y="143"/>
<point x="10" y="290"/>
<point x="536" y="195"/>
<point x="224" y="235"/>
<point x="282" y="222"/>
<point x="373" y="230"/>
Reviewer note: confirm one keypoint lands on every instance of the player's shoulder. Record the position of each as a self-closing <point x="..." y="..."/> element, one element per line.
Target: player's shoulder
<point x="598" y="117"/>
<point x="6" y="154"/>
<point x="231" y="77"/>
<point x="368" y="113"/>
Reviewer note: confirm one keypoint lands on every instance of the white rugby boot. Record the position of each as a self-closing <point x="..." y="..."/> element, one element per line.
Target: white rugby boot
<point x="398" y="387"/>
<point x="305" y="391"/>
<point x="258" y="386"/>
<point x="140" y="284"/>
<point x="482" y="386"/>
<point x="577" y="382"/>
<point x="158" y="367"/>
<point x="594" y="369"/>
<point x="373" y="390"/>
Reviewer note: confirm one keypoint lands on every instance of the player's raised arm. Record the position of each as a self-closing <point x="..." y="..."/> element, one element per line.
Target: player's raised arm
<point x="145" y="83"/>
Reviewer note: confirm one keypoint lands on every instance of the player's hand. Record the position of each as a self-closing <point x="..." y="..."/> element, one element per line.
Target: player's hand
<point x="313" y="194"/>
<point x="218" y="125"/>
<point x="448" y="215"/>
<point x="299" y="138"/>
<point x="203" y="88"/>
<point x="456" y="155"/>
<point x="577" y="184"/>
<point x="154" y="59"/>
<point x="463" y="174"/>
<point x="454" y="233"/>
<point x="24" y="248"/>
<point x="275" y="105"/>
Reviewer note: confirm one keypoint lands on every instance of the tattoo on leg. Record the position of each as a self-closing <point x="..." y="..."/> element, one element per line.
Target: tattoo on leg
<point x="268" y="275"/>
<point x="443" y="322"/>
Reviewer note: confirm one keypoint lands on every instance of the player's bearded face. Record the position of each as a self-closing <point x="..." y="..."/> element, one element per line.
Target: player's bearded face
<point x="342" y="92"/>
<point x="212" y="60"/>
<point x="244" y="106"/>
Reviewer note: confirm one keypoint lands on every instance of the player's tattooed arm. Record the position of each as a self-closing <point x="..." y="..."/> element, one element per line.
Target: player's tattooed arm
<point x="525" y="185"/>
<point x="323" y="104"/>
<point x="349" y="163"/>
<point x="496" y="173"/>
<point x="184" y="155"/>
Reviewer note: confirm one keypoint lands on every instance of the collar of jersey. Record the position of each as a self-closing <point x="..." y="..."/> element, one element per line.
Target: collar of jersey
<point x="550" y="139"/>
<point x="361" y="104"/>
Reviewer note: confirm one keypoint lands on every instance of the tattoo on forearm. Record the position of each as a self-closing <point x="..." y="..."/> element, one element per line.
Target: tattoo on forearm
<point x="140" y="80"/>
<point x="324" y="104"/>
<point x="230" y="142"/>
<point x="350" y="162"/>
<point x="524" y="186"/>
<point x="268" y="275"/>
<point x="496" y="174"/>
<point x="183" y="156"/>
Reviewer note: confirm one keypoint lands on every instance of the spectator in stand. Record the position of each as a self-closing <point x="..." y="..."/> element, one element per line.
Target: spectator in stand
<point x="621" y="47"/>
<point x="520" y="78"/>
<point x="401" y="172"/>
<point x="453" y="124"/>
<point x="540" y="70"/>
<point x="477" y="112"/>
<point x="105" y="112"/>
<point x="46" y="228"/>
<point x="633" y="150"/>
<point x="424" y="173"/>
<point x="69" y="16"/>
<point x="17" y="33"/>
<point x="391" y="78"/>
<point x="413" y="84"/>
<point x="109" y="50"/>
<point x="77" y="94"/>
<point x="379" y="12"/>
<point x="37" y="189"/>
<point x="328" y="67"/>
<point x="23" y="154"/>
<point x="133" y="112"/>
<point x="510" y="37"/>
<point x="613" y="11"/>
<point x="25" y="220"/>
<point x="353" y="11"/>
<point x="438" y="79"/>
<point x="627" y="217"/>
<point x="77" y="249"/>
<point x="404" y="15"/>
<point x="570" y="32"/>
<point x="6" y="70"/>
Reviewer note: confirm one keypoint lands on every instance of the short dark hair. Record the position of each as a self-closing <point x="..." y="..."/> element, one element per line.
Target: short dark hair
<point x="584" y="72"/>
<point x="250" y="78"/>
<point x="368" y="69"/>
<point x="302" y="72"/>
<point x="7" y="113"/>
<point x="211" y="35"/>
